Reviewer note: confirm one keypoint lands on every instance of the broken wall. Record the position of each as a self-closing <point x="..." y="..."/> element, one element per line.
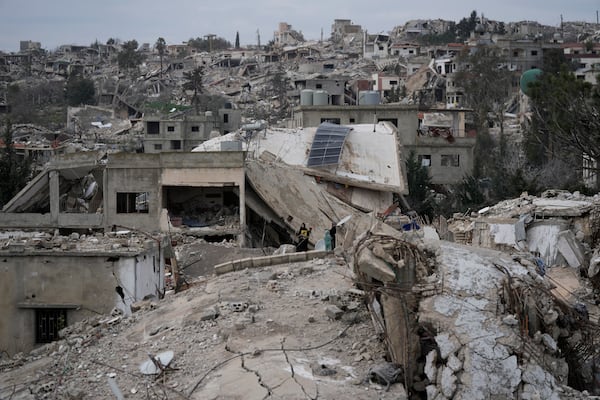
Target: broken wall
<point x="81" y="283"/>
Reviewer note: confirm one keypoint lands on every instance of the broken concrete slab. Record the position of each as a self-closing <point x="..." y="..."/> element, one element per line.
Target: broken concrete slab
<point x="568" y="246"/>
<point x="374" y="267"/>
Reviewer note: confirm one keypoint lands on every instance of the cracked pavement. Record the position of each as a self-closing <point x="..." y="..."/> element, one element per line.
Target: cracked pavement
<point x="281" y="345"/>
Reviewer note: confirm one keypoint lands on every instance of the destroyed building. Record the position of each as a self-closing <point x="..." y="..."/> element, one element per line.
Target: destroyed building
<point x="439" y="138"/>
<point x="48" y="282"/>
<point x="184" y="132"/>
<point x="148" y="192"/>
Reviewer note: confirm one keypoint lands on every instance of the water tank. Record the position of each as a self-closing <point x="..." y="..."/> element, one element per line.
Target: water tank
<point x="528" y="78"/>
<point x="306" y="97"/>
<point x="368" y="97"/>
<point x="320" y="98"/>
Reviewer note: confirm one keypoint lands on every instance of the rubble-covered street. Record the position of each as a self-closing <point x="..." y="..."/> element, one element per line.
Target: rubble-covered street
<point x="288" y="331"/>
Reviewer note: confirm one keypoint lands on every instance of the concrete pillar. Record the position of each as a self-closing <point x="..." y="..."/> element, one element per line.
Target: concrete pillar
<point x="242" y="236"/>
<point x="54" y="191"/>
<point x="105" y="192"/>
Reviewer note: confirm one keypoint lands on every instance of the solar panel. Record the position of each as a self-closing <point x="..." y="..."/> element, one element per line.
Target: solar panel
<point x="327" y="145"/>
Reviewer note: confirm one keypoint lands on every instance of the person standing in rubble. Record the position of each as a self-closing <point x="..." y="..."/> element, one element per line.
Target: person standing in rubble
<point x="327" y="240"/>
<point x="303" y="235"/>
<point x="332" y="232"/>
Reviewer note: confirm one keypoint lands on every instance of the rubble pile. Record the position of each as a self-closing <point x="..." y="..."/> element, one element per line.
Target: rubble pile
<point x="293" y="331"/>
<point x="118" y="241"/>
<point x="558" y="228"/>
<point x="468" y="323"/>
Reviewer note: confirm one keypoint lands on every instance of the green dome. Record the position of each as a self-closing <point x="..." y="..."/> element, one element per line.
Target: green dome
<point x="529" y="77"/>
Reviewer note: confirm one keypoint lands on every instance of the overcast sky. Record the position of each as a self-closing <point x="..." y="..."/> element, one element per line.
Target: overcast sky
<point x="56" y="22"/>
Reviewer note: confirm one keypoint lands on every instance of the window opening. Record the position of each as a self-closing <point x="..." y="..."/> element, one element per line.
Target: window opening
<point x="48" y="322"/>
<point x="132" y="203"/>
<point x="450" y="160"/>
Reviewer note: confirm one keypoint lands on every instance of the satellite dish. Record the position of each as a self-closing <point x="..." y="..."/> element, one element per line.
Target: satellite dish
<point x="164" y="358"/>
<point x="344" y="220"/>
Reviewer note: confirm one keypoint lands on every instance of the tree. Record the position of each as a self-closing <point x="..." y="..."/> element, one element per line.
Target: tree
<point x="215" y="43"/>
<point x="161" y="46"/>
<point x="419" y="187"/>
<point x="14" y="171"/>
<point x="486" y="84"/>
<point x="193" y="82"/>
<point x="129" y="57"/>
<point x="237" y="40"/>
<point x="279" y="86"/>
<point x="80" y="91"/>
<point x="466" y="26"/>
<point x="565" y="121"/>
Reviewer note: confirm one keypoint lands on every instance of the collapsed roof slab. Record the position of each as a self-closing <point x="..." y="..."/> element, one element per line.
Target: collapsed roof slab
<point x="297" y="198"/>
<point x="370" y="157"/>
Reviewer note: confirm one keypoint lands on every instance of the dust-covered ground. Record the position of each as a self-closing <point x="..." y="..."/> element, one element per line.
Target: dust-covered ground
<point x="293" y="331"/>
<point x="198" y="257"/>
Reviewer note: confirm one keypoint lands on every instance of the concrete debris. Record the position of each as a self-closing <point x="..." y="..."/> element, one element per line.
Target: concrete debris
<point x="492" y="312"/>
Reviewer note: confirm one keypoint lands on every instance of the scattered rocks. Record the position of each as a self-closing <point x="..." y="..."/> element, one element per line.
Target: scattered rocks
<point x="333" y="312"/>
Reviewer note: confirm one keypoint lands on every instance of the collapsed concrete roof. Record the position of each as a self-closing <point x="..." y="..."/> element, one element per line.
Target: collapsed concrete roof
<point x="370" y="157"/>
<point x="369" y="173"/>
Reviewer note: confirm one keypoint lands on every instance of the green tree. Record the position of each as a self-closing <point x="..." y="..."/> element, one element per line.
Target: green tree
<point x="466" y="25"/>
<point x="129" y="58"/>
<point x="470" y="194"/>
<point x="419" y="187"/>
<point x="161" y="46"/>
<point x="193" y="82"/>
<point x="80" y="91"/>
<point x="14" y="171"/>
<point x="215" y="43"/>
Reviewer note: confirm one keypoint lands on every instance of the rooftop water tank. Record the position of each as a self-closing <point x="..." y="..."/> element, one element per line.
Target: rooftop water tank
<point x="368" y="97"/>
<point x="320" y="98"/>
<point x="306" y="97"/>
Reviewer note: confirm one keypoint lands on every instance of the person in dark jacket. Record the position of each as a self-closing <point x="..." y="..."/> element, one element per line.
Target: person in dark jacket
<point x="332" y="231"/>
<point x="303" y="234"/>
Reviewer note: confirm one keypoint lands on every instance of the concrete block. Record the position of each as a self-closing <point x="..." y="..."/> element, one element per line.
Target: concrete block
<point x="280" y="259"/>
<point x="333" y="312"/>
<point x="375" y="267"/>
<point x="298" y="257"/>
<point x="258" y="262"/>
<point x="209" y="314"/>
<point x="224" y="268"/>
<point x="570" y="249"/>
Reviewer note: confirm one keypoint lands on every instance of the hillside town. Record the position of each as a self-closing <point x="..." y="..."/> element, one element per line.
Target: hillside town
<point x="408" y="215"/>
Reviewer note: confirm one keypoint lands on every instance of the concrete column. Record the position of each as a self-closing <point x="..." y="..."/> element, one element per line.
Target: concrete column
<point x="242" y="236"/>
<point x="105" y="191"/>
<point x="54" y="190"/>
